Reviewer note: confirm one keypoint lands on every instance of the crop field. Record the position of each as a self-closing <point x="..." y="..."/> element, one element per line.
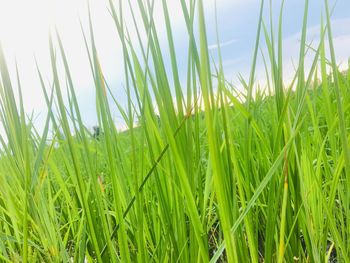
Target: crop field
<point x="204" y="172"/>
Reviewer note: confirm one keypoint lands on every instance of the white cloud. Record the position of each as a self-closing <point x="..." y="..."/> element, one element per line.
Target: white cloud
<point x="222" y="44"/>
<point x="341" y="41"/>
<point x="291" y="47"/>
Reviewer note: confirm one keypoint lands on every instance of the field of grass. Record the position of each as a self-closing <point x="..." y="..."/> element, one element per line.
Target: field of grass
<point x="208" y="174"/>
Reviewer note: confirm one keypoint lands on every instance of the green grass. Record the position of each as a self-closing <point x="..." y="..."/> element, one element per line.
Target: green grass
<point x="212" y="175"/>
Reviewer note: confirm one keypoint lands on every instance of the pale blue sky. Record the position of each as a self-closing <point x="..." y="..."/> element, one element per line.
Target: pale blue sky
<point x="24" y="29"/>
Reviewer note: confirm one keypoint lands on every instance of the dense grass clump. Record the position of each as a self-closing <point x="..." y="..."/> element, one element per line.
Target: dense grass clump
<point x="211" y="175"/>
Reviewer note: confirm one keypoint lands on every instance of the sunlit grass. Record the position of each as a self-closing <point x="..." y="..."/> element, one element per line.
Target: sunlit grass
<point x="208" y="174"/>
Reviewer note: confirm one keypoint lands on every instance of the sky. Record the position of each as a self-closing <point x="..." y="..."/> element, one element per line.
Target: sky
<point x="25" y="26"/>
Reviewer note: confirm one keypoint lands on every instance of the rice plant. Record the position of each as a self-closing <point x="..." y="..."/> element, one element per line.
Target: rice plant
<point x="209" y="173"/>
